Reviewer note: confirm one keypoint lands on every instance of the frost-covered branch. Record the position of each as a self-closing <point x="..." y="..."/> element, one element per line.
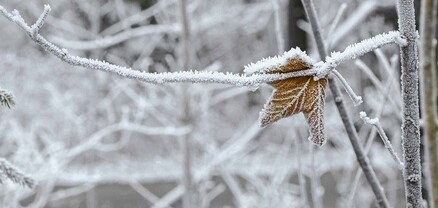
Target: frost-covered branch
<point x="357" y="100"/>
<point x="6" y="98"/>
<point x="9" y="171"/>
<point x="378" y="84"/>
<point x="278" y="29"/>
<point x="378" y="112"/>
<point x="155" y="78"/>
<point x="347" y="121"/>
<point x="335" y="22"/>
<point x="321" y="69"/>
<point x="35" y="28"/>
<point x="428" y="89"/>
<point x="376" y="123"/>
<point x="356" y="50"/>
<point x="411" y="110"/>
<point x="109" y="41"/>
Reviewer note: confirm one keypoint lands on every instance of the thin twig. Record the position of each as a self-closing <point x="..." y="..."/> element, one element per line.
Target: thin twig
<point x="388" y="87"/>
<point x="376" y="123"/>
<point x="379" y="86"/>
<point x="278" y="28"/>
<point x="355" y="50"/>
<point x="252" y="81"/>
<point x="314" y="179"/>
<point x="9" y="171"/>
<point x="189" y="191"/>
<point x="335" y="23"/>
<point x="357" y="100"/>
<point x="348" y="123"/>
<point x="301" y="178"/>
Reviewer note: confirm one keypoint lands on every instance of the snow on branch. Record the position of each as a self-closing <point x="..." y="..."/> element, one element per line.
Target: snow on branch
<point x="9" y="171"/>
<point x="6" y="98"/>
<point x="357" y="100"/>
<point x="356" y="50"/>
<point x="35" y="28"/>
<point x="376" y="123"/>
<point x="269" y="64"/>
<point x="154" y="78"/>
<point x="249" y="79"/>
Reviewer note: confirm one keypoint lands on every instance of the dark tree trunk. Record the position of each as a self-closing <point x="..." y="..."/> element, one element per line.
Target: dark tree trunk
<point x="296" y="36"/>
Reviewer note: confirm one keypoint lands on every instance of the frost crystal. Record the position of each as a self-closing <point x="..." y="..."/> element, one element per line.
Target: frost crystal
<point x="271" y="63"/>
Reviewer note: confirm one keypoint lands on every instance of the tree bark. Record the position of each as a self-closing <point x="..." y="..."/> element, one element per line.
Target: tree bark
<point x="428" y="93"/>
<point x="187" y="118"/>
<point x="410" y="123"/>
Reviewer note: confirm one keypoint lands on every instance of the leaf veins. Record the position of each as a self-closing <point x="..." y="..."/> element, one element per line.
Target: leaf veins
<point x="294" y="95"/>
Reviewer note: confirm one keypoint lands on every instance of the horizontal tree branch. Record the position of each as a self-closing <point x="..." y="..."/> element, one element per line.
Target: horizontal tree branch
<point x="320" y="69"/>
<point x="356" y="50"/>
<point x="9" y="171"/>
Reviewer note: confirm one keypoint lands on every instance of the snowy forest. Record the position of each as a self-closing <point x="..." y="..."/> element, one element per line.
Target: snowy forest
<point x="218" y="104"/>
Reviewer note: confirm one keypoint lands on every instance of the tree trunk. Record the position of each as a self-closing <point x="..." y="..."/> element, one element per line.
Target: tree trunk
<point x="428" y="93"/>
<point x="296" y="36"/>
<point x="410" y="124"/>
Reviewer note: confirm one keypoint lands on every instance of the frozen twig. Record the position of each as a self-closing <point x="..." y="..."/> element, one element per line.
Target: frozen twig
<point x="378" y="84"/>
<point x="6" y="98"/>
<point x="9" y="171"/>
<point x="320" y="69"/>
<point x="376" y="123"/>
<point x="301" y="178"/>
<point x="356" y="17"/>
<point x="314" y="179"/>
<point x="388" y="87"/>
<point x="105" y="42"/>
<point x="252" y="81"/>
<point x="35" y="28"/>
<point x="357" y="100"/>
<point x="335" y="22"/>
<point x="278" y="29"/>
<point x="187" y="177"/>
<point x="138" y="17"/>
<point x="356" y="50"/>
<point x="71" y="192"/>
<point x="348" y="123"/>
<point x="145" y="193"/>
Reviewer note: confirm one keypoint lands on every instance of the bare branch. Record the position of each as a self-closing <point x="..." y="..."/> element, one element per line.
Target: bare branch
<point x="335" y="23"/>
<point x="376" y="123"/>
<point x="348" y="123"/>
<point x="252" y="81"/>
<point x="356" y="50"/>
<point x="357" y="100"/>
<point x="35" y="28"/>
<point x="9" y="171"/>
<point x="278" y="29"/>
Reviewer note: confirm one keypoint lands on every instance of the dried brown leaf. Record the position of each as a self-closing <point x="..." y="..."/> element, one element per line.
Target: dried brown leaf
<point x="294" y="95"/>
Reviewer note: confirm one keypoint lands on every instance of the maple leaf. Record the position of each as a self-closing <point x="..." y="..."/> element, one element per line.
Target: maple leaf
<point x="295" y="95"/>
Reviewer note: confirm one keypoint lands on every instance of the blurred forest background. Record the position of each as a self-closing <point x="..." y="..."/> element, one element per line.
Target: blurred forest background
<point x="91" y="139"/>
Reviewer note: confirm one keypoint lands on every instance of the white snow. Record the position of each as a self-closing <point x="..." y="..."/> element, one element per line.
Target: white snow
<point x="268" y="64"/>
